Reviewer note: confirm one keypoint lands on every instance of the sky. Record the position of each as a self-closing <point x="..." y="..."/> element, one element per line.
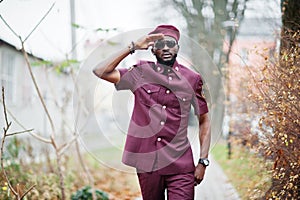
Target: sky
<point x="52" y="38"/>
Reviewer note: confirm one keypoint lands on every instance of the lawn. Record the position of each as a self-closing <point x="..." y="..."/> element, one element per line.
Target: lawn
<point x="246" y="170"/>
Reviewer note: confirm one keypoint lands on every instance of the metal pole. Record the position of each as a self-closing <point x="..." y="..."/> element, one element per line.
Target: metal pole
<point x="73" y="29"/>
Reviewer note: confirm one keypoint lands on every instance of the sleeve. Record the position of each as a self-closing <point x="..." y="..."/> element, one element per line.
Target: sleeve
<point x="199" y="101"/>
<point x="129" y="78"/>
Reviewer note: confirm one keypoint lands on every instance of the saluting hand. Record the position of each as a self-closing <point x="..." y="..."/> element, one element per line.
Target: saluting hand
<point x="147" y="41"/>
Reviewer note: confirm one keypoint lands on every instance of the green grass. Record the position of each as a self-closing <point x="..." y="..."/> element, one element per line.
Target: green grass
<point x="245" y="170"/>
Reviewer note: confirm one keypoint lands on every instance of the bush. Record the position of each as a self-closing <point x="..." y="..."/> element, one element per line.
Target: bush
<point x="85" y="193"/>
<point x="277" y="94"/>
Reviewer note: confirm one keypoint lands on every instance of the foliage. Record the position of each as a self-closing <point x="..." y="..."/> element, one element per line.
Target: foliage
<point x="96" y="29"/>
<point x="60" y="67"/>
<point x="85" y="193"/>
<point x="13" y="162"/>
<point x="116" y="184"/>
<point x="276" y="92"/>
<point x="12" y="154"/>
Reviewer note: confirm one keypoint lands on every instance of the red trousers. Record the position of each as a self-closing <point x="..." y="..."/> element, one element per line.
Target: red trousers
<point x="179" y="186"/>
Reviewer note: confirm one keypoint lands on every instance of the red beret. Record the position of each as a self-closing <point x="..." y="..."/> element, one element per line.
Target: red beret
<point x="168" y="30"/>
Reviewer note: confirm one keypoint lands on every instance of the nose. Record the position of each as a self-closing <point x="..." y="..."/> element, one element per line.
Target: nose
<point x="165" y="47"/>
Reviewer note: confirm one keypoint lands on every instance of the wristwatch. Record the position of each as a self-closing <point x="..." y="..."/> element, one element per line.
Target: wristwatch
<point x="204" y="162"/>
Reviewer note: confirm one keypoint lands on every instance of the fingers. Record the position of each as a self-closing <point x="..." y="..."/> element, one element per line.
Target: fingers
<point x="154" y="37"/>
<point x="197" y="181"/>
<point x="150" y="44"/>
<point x="199" y="175"/>
<point x="148" y="40"/>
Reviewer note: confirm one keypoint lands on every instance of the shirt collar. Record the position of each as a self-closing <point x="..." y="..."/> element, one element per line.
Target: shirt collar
<point x="175" y="68"/>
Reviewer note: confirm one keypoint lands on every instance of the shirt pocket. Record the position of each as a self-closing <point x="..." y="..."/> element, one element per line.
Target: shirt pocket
<point x="182" y="104"/>
<point x="149" y="94"/>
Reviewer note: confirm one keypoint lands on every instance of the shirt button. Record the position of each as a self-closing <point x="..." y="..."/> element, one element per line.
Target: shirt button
<point x="176" y="68"/>
<point x="184" y="99"/>
<point x="158" y="69"/>
<point x="169" y="70"/>
<point x="170" y="78"/>
<point x="162" y="123"/>
<point x="168" y="91"/>
<point x="158" y="139"/>
<point x="164" y="107"/>
<point x="148" y="91"/>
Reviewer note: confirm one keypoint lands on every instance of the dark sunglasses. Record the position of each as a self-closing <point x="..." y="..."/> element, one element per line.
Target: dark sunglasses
<point x="160" y="44"/>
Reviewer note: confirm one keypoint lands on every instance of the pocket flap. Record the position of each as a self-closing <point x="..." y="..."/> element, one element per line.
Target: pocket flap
<point x="151" y="88"/>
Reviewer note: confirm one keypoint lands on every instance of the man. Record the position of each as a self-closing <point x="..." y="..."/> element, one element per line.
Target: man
<point x="157" y="144"/>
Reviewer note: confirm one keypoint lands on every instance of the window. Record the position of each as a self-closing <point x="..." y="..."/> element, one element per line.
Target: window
<point x="7" y="76"/>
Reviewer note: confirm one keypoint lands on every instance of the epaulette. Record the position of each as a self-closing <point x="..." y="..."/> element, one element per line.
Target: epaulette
<point x="132" y="67"/>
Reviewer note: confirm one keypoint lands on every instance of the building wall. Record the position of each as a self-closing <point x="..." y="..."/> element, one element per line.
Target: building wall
<point x="21" y="97"/>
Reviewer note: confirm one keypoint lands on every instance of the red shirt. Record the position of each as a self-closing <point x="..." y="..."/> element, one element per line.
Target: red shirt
<point x="157" y="133"/>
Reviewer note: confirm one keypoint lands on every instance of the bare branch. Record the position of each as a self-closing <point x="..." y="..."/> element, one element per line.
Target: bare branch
<point x="12" y="30"/>
<point x="39" y="22"/>
<point x="52" y="137"/>
<point x="81" y="161"/>
<point x="4" y="109"/>
<point x="2" y="144"/>
<point x="19" y="132"/>
<point x="38" y="137"/>
<point x="61" y="175"/>
<point x="29" y="189"/>
<point x="37" y="89"/>
<point x="85" y="168"/>
<point x="42" y="139"/>
<point x="29" y="66"/>
<point x="66" y="145"/>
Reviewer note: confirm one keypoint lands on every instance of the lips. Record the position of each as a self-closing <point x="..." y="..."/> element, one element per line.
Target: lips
<point x="166" y="55"/>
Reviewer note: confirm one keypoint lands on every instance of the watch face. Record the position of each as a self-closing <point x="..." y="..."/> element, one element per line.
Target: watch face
<point x="205" y="162"/>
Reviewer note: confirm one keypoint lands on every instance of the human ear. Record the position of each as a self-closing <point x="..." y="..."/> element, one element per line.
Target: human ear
<point x="152" y="50"/>
<point x="177" y="49"/>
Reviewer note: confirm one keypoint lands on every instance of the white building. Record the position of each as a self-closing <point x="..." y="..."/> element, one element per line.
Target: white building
<point x="24" y="107"/>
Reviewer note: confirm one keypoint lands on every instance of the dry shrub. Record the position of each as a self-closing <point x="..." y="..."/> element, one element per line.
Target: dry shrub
<point x="276" y="92"/>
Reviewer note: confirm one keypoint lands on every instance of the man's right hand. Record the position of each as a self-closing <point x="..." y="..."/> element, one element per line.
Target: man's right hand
<point x="145" y="42"/>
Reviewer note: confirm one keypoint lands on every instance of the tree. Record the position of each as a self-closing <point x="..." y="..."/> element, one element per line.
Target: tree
<point x="290" y="23"/>
<point x="277" y="96"/>
<point x="210" y="23"/>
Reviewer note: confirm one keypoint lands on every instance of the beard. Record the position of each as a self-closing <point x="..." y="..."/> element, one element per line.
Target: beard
<point x="168" y="62"/>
